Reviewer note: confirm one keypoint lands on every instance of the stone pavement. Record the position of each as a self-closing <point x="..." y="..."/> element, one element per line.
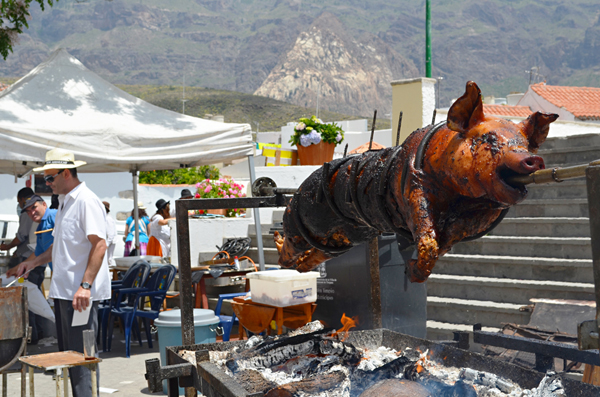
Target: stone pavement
<point x="126" y="375"/>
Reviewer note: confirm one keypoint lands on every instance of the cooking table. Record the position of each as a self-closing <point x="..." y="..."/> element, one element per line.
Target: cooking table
<point x="256" y="317"/>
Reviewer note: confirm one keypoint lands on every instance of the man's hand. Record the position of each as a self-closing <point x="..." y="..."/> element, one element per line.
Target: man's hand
<point x="22" y="268"/>
<point x="81" y="299"/>
<point x="4" y="247"/>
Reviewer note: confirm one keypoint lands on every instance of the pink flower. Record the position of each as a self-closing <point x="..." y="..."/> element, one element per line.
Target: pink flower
<point x="207" y="189"/>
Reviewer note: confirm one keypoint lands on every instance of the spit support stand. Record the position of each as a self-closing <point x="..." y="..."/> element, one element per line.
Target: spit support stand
<point x="588" y="331"/>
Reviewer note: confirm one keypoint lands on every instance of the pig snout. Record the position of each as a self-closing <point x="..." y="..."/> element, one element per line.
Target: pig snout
<point x="525" y="163"/>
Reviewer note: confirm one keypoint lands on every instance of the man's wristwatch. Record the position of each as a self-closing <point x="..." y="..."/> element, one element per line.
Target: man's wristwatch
<point x="86" y="285"/>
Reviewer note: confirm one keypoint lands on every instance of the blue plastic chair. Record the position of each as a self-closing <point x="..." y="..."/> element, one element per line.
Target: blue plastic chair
<point x="134" y="277"/>
<point x="227" y="322"/>
<point x="156" y="290"/>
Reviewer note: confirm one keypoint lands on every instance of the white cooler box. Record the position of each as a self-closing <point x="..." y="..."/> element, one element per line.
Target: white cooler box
<point x="283" y="287"/>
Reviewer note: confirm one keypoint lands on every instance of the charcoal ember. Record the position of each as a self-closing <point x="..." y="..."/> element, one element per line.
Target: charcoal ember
<point x="397" y="388"/>
<point x="438" y="388"/>
<point x="273" y="357"/>
<point x="274" y="343"/>
<point x="253" y="381"/>
<point x="311" y="385"/>
<point x="308" y="365"/>
<point x="346" y="351"/>
<point x="276" y="351"/>
<point x="362" y="380"/>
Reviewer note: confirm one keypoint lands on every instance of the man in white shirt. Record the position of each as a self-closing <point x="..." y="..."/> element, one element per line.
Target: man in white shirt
<point x="81" y="276"/>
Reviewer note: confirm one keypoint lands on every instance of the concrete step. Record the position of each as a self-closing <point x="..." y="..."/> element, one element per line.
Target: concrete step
<point x="577" y="141"/>
<point x="569" y="156"/>
<point x="464" y="311"/>
<point x="505" y="290"/>
<point x="572" y="208"/>
<point x="271" y="255"/>
<point x="572" y="188"/>
<point x="437" y="330"/>
<point x="267" y="240"/>
<point x="544" y="247"/>
<point x="543" y="227"/>
<point x="518" y="267"/>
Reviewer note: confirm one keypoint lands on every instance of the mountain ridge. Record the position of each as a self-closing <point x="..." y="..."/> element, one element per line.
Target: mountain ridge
<point x="238" y="44"/>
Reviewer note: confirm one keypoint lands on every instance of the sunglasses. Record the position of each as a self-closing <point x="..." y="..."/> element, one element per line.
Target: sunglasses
<point x="50" y="178"/>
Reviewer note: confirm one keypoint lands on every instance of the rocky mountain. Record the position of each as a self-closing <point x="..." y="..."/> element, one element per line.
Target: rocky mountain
<point x="329" y="68"/>
<point x="348" y="50"/>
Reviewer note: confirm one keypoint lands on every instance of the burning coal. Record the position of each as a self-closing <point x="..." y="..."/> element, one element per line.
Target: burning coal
<point x="319" y="363"/>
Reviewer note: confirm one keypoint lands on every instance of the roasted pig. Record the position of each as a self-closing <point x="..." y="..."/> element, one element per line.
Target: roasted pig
<point x="445" y="184"/>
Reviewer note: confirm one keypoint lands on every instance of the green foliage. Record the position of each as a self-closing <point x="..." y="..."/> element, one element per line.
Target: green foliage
<point x="13" y="18"/>
<point x="180" y="176"/>
<point x="312" y="131"/>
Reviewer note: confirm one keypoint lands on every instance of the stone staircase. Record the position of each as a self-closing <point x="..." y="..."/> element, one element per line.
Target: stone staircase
<point x="542" y="249"/>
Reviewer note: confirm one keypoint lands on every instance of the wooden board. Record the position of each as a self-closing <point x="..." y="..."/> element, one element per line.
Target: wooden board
<point x="56" y="360"/>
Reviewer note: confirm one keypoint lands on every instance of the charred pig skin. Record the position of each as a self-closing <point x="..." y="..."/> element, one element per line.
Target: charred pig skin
<point x="445" y="184"/>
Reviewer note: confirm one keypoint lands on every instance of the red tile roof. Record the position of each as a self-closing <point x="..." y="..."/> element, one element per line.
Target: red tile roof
<point x="505" y="110"/>
<point x="365" y="147"/>
<point x="583" y="102"/>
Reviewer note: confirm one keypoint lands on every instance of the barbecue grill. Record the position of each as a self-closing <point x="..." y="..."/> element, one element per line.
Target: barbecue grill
<point x="207" y="378"/>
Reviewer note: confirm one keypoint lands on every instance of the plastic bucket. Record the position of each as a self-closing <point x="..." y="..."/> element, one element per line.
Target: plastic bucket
<point x="168" y="326"/>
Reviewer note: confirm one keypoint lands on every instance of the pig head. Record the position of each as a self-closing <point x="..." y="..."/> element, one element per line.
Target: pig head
<point x="445" y="184"/>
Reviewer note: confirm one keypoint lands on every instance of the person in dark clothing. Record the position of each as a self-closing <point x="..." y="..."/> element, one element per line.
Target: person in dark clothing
<point x="54" y="202"/>
<point x="21" y="240"/>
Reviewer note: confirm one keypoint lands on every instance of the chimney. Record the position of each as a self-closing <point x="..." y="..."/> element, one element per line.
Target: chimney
<point x="415" y="98"/>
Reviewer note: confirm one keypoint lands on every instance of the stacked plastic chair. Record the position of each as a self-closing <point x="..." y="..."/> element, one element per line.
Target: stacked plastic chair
<point x="134" y="277"/>
<point x="130" y="303"/>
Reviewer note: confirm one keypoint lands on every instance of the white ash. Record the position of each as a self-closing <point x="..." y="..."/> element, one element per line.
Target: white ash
<point x="308" y="328"/>
<point x="486" y="384"/>
<point x="277" y="356"/>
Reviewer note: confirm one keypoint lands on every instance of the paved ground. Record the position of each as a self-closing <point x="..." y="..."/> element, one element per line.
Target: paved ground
<point x="126" y="375"/>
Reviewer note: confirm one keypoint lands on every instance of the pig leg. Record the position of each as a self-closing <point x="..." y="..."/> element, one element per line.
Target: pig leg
<point x="425" y="237"/>
<point x="301" y="260"/>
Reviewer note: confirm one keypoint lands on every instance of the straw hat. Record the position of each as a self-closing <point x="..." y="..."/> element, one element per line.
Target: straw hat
<point x="141" y="206"/>
<point x="58" y="159"/>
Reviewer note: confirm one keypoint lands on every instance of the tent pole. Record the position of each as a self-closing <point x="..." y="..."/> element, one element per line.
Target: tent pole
<point x="136" y="215"/>
<point x="259" y="242"/>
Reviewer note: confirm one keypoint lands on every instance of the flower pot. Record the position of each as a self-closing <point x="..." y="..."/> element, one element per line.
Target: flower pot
<point x="217" y="212"/>
<point x="316" y="154"/>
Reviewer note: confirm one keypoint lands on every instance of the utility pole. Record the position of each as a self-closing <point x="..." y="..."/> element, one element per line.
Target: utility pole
<point x="427" y="39"/>
<point x="183" y="100"/>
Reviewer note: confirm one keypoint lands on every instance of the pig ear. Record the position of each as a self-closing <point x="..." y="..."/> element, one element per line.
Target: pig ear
<point x="467" y="110"/>
<point x="536" y="128"/>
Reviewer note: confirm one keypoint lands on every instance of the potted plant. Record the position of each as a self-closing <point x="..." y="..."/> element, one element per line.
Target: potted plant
<point x="222" y="188"/>
<point x="316" y="140"/>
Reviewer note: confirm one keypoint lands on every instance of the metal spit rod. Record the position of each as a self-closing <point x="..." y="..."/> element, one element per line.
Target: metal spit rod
<point x="552" y="175"/>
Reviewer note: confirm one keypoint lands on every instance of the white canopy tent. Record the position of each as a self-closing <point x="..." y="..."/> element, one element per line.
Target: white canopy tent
<point x="61" y="103"/>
